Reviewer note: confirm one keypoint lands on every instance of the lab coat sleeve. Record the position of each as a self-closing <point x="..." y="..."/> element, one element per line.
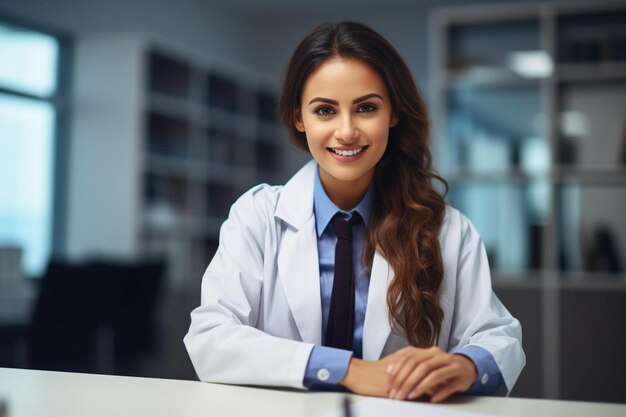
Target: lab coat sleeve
<point x="222" y="342"/>
<point x="480" y="319"/>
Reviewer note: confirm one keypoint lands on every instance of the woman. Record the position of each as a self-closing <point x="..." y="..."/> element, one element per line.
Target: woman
<point x="355" y="273"/>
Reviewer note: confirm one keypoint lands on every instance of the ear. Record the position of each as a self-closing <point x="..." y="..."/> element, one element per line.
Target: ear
<point x="297" y="120"/>
<point x="394" y="119"/>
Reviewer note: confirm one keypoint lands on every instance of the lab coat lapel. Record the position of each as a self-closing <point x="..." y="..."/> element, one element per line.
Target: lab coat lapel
<point x="298" y="261"/>
<point x="298" y="267"/>
<point x="376" y="328"/>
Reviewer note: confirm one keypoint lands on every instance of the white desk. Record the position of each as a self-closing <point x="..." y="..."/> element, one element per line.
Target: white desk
<point x="59" y="394"/>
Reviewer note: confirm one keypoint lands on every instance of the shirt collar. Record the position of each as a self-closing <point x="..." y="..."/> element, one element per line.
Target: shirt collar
<point x="325" y="209"/>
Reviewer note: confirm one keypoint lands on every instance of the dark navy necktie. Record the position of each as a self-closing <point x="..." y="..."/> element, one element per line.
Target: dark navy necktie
<point x="340" y="329"/>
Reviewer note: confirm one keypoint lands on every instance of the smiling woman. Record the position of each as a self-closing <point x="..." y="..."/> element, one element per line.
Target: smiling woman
<point x="355" y="274"/>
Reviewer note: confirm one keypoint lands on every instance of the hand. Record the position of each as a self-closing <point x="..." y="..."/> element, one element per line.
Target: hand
<point x="368" y="377"/>
<point x="434" y="372"/>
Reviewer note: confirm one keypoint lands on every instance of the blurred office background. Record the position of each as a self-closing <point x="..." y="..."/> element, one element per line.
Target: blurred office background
<point x="127" y="128"/>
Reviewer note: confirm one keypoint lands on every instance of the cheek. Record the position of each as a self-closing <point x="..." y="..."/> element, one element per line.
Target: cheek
<point x="379" y="132"/>
<point x="316" y="132"/>
<point x="315" y="141"/>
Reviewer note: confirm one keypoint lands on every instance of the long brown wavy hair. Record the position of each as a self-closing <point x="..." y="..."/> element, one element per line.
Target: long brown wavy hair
<point x="407" y="210"/>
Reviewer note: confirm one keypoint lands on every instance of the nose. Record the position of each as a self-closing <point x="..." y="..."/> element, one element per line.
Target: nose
<point x="346" y="130"/>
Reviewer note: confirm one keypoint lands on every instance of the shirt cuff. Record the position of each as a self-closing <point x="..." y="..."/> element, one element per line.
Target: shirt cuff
<point x="489" y="380"/>
<point x="326" y="367"/>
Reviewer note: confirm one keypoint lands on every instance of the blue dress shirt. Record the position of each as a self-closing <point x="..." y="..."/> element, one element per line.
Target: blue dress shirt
<point x="327" y="366"/>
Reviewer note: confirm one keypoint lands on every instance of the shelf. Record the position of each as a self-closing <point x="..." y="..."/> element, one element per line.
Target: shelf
<point x="240" y="175"/>
<point x="186" y="227"/>
<point x="165" y="104"/>
<point x="167" y="136"/>
<point x="591" y="72"/>
<point x="210" y="133"/>
<point x="595" y="36"/>
<point x="267" y="104"/>
<point x="487" y="77"/>
<point x="512" y="175"/>
<point x="578" y="281"/>
<point x="163" y="166"/>
<point x="223" y="173"/>
<point x="179" y="108"/>
<point x="167" y="166"/>
<point x="593" y="281"/>
<point x="205" y="227"/>
<point x="222" y="92"/>
<point x="537" y="165"/>
<point x="169" y="76"/>
<point x="226" y="120"/>
<point x="521" y="280"/>
<point x="272" y="132"/>
<point x="591" y="175"/>
<point x="588" y="175"/>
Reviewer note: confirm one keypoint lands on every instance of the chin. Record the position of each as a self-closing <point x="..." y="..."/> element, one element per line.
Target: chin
<point x="349" y="175"/>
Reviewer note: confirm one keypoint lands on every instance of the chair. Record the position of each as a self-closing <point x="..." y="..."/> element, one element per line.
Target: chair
<point x="129" y="309"/>
<point x="78" y="303"/>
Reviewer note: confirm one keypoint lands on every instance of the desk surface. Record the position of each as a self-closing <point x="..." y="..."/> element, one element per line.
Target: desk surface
<point x="30" y="393"/>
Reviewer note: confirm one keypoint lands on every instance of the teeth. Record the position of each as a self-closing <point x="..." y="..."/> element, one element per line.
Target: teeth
<point x="347" y="153"/>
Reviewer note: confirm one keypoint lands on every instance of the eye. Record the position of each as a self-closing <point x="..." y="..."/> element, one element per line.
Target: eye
<point x="366" y="108"/>
<point x="324" y="111"/>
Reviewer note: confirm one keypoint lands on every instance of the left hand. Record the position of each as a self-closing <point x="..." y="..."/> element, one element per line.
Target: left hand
<point x="414" y="372"/>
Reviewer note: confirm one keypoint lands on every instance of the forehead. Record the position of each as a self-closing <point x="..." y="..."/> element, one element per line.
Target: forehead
<point x="339" y="76"/>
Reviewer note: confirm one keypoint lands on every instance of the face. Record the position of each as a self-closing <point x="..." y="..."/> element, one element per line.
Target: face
<point x="346" y="114"/>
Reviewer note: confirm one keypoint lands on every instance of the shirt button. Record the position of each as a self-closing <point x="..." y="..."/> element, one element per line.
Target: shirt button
<point x="323" y="374"/>
<point x="483" y="380"/>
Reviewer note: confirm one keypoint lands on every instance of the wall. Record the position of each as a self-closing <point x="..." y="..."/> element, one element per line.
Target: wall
<point x="277" y="31"/>
<point x="260" y="37"/>
<point x="194" y="23"/>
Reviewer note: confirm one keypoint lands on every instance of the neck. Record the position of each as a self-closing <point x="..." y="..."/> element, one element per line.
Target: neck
<point x="345" y="194"/>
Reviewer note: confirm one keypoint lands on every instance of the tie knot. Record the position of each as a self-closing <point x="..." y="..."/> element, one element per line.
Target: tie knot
<point x="343" y="227"/>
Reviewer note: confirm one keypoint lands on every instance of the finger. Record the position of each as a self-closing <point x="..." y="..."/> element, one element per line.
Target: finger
<point x="422" y="370"/>
<point x="441" y="395"/>
<point x="403" y="352"/>
<point x="414" y="355"/>
<point x="440" y="376"/>
<point x="461" y="374"/>
<point x="399" y="357"/>
<point x="411" y="351"/>
<point x="401" y="370"/>
<point x="402" y="365"/>
<point x="432" y="391"/>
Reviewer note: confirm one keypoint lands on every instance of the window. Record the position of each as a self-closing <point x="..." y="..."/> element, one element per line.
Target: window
<point x="31" y="103"/>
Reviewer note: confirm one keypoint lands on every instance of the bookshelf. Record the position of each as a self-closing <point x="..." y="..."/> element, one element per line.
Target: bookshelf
<point x="528" y="108"/>
<point x="164" y="139"/>
<point x="169" y="137"/>
<point x="209" y="135"/>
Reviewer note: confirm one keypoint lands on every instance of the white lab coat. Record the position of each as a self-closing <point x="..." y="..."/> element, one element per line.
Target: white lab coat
<point x="260" y="312"/>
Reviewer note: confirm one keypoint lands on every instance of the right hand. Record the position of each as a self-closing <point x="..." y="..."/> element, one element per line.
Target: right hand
<point x="368" y="377"/>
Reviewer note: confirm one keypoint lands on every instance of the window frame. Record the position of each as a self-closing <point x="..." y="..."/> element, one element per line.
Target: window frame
<point x="61" y="102"/>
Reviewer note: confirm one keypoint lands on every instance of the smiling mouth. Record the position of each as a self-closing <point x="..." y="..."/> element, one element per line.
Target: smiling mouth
<point x="347" y="152"/>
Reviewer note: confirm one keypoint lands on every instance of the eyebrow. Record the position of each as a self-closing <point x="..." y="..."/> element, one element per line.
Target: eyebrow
<point x="335" y="102"/>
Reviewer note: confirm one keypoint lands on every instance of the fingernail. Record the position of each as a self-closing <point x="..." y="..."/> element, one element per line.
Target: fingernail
<point x="389" y="369"/>
<point x="392" y="394"/>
